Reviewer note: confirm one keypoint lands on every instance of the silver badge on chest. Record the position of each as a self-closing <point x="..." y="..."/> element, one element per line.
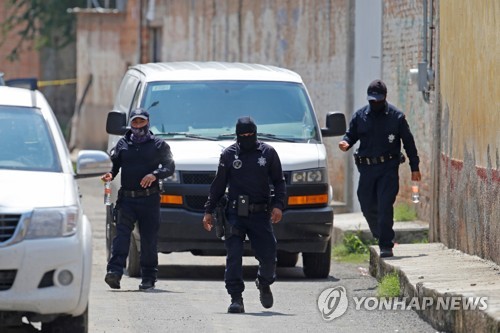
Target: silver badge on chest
<point x="237" y="163"/>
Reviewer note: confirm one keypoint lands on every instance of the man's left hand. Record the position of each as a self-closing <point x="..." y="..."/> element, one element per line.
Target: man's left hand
<point x="148" y="180"/>
<point x="276" y="215"/>
<point x="416" y="176"/>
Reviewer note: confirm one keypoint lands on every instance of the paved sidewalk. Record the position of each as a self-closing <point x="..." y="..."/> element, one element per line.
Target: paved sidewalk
<point x="433" y="270"/>
<point x="406" y="232"/>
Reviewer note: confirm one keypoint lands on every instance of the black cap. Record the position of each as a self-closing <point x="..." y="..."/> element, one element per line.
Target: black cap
<point x="139" y="113"/>
<point x="377" y="91"/>
<point x="245" y="125"/>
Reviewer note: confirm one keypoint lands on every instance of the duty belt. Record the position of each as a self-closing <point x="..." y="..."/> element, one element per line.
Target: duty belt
<point x="253" y="208"/>
<point x="140" y="193"/>
<point x="374" y="160"/>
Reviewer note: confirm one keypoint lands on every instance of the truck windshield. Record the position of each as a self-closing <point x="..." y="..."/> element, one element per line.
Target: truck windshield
<point x="209" y="109"/>
<point x="26" y="142"/>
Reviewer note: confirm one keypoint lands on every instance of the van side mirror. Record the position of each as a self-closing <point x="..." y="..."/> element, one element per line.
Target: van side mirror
<point x="116" y="123"/>
<point x="335" y="124"/>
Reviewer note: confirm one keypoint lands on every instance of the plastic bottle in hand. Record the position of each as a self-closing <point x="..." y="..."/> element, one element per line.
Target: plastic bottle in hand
<point x="107" y="193"/>
<point x="415" y="195"/>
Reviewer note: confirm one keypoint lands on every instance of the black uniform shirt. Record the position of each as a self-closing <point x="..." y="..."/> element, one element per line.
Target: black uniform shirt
<point x="258" y="168"/>
<point x="136" y="160"/>
<point x="381" y="133"/>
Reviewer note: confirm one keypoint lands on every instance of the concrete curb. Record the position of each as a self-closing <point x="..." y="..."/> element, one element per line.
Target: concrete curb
<point x="433" y="270"/>
<point x="406" y="232"/>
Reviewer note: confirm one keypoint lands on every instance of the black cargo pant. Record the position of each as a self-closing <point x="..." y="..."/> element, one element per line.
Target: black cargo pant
<point x="260" y="233"/>
<point x="377" y="190"/>
<point x="146" y="211"/>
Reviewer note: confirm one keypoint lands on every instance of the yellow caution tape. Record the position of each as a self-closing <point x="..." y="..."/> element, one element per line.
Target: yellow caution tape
<point x="56" y="82"/>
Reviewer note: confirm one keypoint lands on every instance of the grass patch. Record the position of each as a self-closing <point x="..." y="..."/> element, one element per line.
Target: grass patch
<point x="352" y="249"/>
<point x="341" y="254"/>
<point x="389" y="286"/>
<point x="404" y="212"/>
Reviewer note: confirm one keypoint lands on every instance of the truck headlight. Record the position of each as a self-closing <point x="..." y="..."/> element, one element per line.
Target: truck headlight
<point x="53" y="222"/>
<point x="308" y="176"/>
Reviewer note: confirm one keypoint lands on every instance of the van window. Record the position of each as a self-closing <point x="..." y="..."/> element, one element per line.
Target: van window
<point x="128" y="88"/>
<point x="211" y="108"/>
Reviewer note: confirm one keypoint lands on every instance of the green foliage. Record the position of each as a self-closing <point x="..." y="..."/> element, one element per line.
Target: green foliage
<point x="389" y="286"/>
<point x="47" y="23"/>
<point x="353" y="249"/>
<point x="404" y="212"/>
<point x="354" y="244"/>
<point x="341" y="254"/>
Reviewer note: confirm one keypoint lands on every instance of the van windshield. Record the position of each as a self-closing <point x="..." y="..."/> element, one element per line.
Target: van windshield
<point x="209" y="109"/>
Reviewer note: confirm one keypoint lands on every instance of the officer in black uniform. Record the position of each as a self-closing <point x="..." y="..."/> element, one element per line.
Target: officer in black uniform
<point x="380" y="127"/>
<point x="143" y="159"/>
<point x="247" y="168"/>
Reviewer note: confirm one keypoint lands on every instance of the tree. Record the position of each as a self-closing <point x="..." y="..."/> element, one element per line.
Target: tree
<point x="42" y="23"/>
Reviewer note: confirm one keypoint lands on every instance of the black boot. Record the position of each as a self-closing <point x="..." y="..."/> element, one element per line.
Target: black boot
<point x="113" y="280"/>
<point x="236" y="305"/>
<point x="147" y="284"/>
<point x="266" y="296"/>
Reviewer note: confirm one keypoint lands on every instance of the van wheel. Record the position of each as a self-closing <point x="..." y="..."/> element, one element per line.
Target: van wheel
<point x="287" y="259"/>
<point x="110" y="230"/>
<point x="133" y="259"/>
<point x="317" y="265"/>
<point x="79" y="324"/>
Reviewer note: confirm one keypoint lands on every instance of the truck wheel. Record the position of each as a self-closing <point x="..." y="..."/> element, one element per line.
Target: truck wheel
<point x="287" y="259"/>
<point x="110" y="230"/>
<point x="133" y="259"/>
<point x="317" y="265"/>
<point x="79" y="324"/>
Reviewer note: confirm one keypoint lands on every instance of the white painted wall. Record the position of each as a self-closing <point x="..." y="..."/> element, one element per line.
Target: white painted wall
<point x="367" y="60"/>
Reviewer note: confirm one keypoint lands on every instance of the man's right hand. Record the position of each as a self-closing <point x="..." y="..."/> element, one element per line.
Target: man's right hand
<point x="207" y="222"/>
<point x="344" y="145"/>
<point x="107" y="177"/>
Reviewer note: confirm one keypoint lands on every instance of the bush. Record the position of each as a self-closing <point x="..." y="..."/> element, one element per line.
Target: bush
<point x="404" y="212"/>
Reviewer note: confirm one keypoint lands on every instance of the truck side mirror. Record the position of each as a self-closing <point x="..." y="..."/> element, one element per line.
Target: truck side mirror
<point x="335" y="124"/>
<point x="116" y="123"/>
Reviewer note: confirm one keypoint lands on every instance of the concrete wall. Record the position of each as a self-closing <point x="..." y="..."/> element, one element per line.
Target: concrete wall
<point x="469" y="169"/>
<point x="107" y="43"/>
<point x="402" y="49"/>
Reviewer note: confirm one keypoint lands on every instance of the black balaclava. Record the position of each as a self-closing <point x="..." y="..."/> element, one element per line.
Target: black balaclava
<point x="246" y="125"/>
<point x="377" y="107"/>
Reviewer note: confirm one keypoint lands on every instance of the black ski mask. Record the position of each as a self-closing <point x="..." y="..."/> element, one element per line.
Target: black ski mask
<point x="246" y="125"/>
<point x="377" y="107"/>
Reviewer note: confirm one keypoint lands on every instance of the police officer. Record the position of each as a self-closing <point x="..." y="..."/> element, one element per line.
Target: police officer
<point x="380" y="127"/>
<point x="247" y="168"/>
<point x="143" y="160"/>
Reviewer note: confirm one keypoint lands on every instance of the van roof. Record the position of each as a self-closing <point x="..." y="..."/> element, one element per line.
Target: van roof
<point x="188" y="71"/>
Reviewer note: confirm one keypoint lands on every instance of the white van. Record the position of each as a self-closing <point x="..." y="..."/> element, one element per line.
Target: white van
<point x="194" y="107"/>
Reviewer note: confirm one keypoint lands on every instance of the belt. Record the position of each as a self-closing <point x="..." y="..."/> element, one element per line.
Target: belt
<point x="257" y="208"/>
<point x="374" y="160"/>
<point x="140" y="193"/>
<point x="252" y="208"/>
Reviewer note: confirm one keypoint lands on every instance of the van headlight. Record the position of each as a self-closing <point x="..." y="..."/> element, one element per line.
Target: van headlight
<point x="174" y="178"/>
<point x="308" y="176"/>
<point x="53" y="222"/>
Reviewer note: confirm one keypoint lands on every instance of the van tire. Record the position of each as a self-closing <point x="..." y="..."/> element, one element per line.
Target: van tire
<point x="133" y="259"/>
<point x="79" y="324"/>
<point x="286" y="259"/>
<point x="317" y="265"/>
<point x="110" y="230"/>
